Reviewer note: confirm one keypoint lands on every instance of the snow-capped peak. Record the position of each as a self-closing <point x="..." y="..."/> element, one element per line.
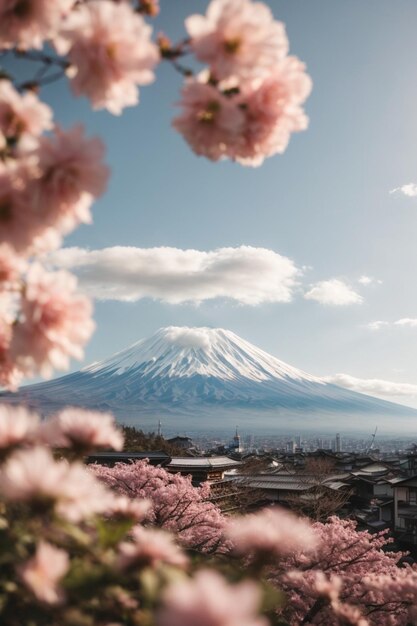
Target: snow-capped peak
<point x="212" y="352"/>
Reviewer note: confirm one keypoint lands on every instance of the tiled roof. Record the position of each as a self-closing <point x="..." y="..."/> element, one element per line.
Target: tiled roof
<point x="210" y="462"/>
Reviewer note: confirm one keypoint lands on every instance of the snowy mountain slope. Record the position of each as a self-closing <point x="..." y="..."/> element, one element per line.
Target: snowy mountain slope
<point x="185" y="352"/>
<point x="206" y="378"/>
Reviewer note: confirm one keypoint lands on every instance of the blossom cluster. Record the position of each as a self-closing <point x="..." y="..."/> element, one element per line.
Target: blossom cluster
<point x="342" y="580"/>
<point x="176" y="505"/>
<point x="50" y="176"/>
<point x="243" y="105"/>
<point x="247" y="102"/>
<point x="47" y="185"/>
<point x="107" y="45"/>
<point x="75" y="552"/>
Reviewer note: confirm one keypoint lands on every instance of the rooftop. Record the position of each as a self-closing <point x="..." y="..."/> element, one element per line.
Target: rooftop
<point x="202" y="462"/>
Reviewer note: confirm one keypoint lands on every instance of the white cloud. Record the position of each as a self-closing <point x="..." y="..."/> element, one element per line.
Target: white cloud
<point x="410" y="190"/>
<point x="245" y="274"/>
<point x="377" y="325"/>
<point x="368" y="280"/>
<point x="189" y="337"/>
<point x="406" y="321"/>
<point x="333" y="292"/>
<point x="373" y="386"/>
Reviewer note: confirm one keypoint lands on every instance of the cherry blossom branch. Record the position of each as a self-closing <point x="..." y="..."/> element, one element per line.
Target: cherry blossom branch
<point x="172" y="53"/>
<point x="41" y="77"/>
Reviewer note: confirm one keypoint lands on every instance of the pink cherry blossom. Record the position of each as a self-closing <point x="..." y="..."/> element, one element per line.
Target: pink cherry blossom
<point x="42" y="573"/>
<point x="56" y="322"/>
<point x="208" y="600"/>
<point x="18" y="224"/>
<point x="343" y="569"/>
<point x="273" y="111"/>
<point x="22" y="115"/>
<point x="27" y="23"/>
<point x="273" y="532"/>
<point x="11" y="267"/>
<point x="10" y="375"/>
<point x="17" y="426"/>
<point x="111" y="52"/>
<point x="211" y="123"/>
<point x="34" y="476"/>
<point x="71" y="175"/>
<point x="176" y="505"/>
<point x="80" y="428"/>
<point x="237" y="38"/>
<point x="150" y="547"/>
<point x="124" y="507"/>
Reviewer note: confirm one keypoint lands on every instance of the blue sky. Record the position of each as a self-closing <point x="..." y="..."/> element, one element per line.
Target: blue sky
<point x="325" y="204"/>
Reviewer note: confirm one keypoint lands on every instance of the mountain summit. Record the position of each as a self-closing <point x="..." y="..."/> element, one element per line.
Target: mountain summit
<point x="205" y="379"/>
<point x="177" y="352"/>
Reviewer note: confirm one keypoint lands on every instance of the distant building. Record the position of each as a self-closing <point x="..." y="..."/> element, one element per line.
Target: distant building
<point x="184" y="443"/>
<point x="236" y="444"/>
<point x="202" y="469"/>
<point x="290" y="447"/>
<point x="111" y="458"/>
<point x="338" y="443"/>
<point x="405" y="509"/>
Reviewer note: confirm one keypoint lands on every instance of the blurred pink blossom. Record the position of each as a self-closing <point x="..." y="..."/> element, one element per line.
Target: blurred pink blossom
<point x="56" y="322"/>
<point x="34" y="476"/>
<point x="124" y="507"/>
<point x="150" y="547"/>
<point x="10" y="375"/>
<point x="27" y="24"/>
<point x="80" y="428"/>
<point x="111" y="52"/>
<point x="208" y="600"/>
<point x="71" y="175"/>
<point x="42" y="573"/>
<point x="11" y="267"/>
<point x="17" y="426"/>
<point x="22" y="115"/>
<point x="273" y="111"/>
<point x="273" y="532"/>
<point x="237" y="38"/>
<point x="210" y="122"/>
<point x="19" y="226"/>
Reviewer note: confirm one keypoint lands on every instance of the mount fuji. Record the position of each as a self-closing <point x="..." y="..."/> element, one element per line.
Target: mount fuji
<point x="204" y="379"/>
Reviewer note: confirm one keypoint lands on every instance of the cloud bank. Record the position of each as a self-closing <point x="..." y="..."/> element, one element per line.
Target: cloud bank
<point x="245" y="274"/>
<point x="373" y="386"/>
<point x="333" y="292"/>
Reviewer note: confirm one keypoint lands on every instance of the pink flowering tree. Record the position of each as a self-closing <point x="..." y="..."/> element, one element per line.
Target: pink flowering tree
<point x="343" y="578"/>
<point x="176" y="505"/>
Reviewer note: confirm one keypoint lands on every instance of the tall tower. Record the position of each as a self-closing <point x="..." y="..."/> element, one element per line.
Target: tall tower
<point x="237" y="445"/>
<point x="159" y="429"/>
<point x="338" y="443"/>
